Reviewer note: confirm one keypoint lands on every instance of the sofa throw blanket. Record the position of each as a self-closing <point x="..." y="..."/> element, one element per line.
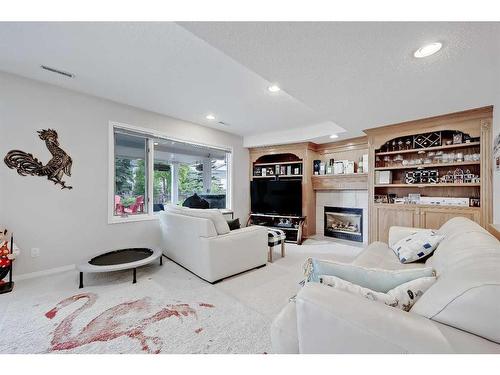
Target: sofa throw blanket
<point x="379" y="280"/>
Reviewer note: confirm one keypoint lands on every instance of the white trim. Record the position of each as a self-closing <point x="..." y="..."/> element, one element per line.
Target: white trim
<point x="150" y="176"/>
<point x="158" y="134"/>
<point x="132" y="218"/>
<point x="50" y="271"/>
<point x="112" y="219"/>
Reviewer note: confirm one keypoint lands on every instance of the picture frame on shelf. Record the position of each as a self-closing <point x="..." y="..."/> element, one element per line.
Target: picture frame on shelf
<point x="381" y="198"/>
<point x="457" y="138"/>
<point x="475" y="202"/>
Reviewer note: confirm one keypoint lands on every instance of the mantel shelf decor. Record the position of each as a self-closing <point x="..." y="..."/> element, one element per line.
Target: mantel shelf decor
<point x="26" y="164"/>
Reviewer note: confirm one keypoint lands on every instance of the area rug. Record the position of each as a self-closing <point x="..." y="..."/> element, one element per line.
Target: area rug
<point x="134" y="319"/>
<point x="169" y="310"/>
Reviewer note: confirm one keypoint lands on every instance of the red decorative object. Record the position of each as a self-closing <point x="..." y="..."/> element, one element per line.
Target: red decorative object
<point x="6" y="258"/>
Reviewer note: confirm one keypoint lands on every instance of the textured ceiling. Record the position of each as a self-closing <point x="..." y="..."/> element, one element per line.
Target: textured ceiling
<point x="362" y="75"/>
<point x="160" y="67"/>
<point x="335" y="75"/>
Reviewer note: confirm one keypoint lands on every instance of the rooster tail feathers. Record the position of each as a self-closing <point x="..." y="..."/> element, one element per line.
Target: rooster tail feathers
<point x="24" y="163"/>
<point x="67" y="168"/>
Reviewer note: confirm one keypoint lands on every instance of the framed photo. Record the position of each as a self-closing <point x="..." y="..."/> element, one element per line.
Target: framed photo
<point x="381" y="198"/>
<point x="457" y="138"/>
<point x="496" y="154"/>
<point x="475" y="202"/>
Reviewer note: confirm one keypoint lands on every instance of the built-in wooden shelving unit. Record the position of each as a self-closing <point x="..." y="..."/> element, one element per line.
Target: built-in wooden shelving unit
<point x="437" y="148"/>
<point x="446" y="156"/>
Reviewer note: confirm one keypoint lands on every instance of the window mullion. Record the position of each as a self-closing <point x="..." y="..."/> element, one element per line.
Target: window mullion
<point x="150" y="174"/>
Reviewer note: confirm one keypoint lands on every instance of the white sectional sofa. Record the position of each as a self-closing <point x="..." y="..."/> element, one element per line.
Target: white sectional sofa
<point x="190" y="238"/>
<point x="460" y="313"/>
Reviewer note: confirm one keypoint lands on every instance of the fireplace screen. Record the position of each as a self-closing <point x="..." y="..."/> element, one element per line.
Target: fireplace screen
<point x="345" y="223"/>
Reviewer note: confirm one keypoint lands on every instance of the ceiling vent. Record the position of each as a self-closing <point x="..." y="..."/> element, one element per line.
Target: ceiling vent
<point x="57" y="71"/>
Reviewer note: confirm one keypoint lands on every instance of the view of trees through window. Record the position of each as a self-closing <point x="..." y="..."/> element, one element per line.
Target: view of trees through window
<point x="179" y="171"/>
<point x="130" y="175"/>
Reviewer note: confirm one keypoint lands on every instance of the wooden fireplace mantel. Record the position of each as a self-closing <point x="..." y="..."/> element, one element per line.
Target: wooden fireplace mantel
<point x="354" y="181"/>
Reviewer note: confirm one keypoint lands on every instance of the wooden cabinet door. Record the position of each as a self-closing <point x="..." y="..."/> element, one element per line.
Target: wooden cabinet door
<point x="434" y="217"/>
<point x="395" y="215"/>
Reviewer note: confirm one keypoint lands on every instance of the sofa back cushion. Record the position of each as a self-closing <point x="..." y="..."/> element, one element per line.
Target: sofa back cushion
<point x="213" y="215"/>
<point x="467" y="292"/>
<point x="467" y="295"/>
<point x="177" y="225"/>
<point x="463" y="238"/>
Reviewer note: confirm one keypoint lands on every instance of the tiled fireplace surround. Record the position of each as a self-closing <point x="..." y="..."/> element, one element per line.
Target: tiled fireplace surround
<point x="341" y="198"/>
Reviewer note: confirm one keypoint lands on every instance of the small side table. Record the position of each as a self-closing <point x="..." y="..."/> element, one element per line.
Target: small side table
<point x="275" y="237"/>
<point x="226" y="211"/>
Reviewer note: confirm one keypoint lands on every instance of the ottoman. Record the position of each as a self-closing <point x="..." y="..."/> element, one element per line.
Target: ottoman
<point x="275" y="237"/>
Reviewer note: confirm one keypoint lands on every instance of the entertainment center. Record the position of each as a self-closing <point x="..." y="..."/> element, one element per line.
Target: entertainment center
<point x="419" y="173"/>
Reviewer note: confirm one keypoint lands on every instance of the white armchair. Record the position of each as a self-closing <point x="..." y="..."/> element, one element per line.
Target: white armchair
<point x="193" y="243"/>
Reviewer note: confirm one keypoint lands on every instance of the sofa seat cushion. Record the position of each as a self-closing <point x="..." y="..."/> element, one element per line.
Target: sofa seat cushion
<point x="466" y="296"/>
<point x="379" y="255"/>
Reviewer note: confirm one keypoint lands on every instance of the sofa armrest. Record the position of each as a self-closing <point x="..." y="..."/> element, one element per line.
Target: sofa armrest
<point x="334" y="321"/>
<point x="398" y="233"/>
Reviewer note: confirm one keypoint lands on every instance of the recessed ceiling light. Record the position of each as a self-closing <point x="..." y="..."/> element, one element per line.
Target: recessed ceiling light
<point x="155" y="143"/>
<point x="333" y="136"/>
<point x="210" y="117"/>
<point x="427" y="50"/>
<point x="274" y="88"/>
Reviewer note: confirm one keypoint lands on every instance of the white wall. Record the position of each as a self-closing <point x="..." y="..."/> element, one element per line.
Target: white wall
<point x="69" y="226"/>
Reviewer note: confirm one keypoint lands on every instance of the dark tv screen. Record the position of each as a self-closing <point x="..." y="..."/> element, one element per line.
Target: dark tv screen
<point x="276" y="197"/>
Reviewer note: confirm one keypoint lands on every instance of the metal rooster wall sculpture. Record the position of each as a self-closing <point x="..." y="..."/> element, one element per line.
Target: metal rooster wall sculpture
<point x="55" y="169"/>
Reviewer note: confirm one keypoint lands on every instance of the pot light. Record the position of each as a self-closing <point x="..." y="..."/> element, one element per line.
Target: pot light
<point x="274" y="88"/>
<point x="210" y="117"/>
<point x="427" y="50"/>
<point x="333" y="136"/>
<point x="155" y="143"/>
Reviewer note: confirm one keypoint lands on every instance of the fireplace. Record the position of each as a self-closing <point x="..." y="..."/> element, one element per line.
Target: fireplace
<point x="344" y="223"/>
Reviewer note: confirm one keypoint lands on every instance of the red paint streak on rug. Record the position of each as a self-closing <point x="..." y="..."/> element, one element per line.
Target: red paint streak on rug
<point x="124" y="319"/>
<point x="198" y="330"/>
<point x="202" y="304"/>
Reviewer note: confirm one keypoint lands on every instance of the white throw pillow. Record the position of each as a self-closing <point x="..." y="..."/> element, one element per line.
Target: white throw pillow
<point x="408" y="293"/>
<point x="417" y="245"/>
<point x="378" y="279"/>
<point x="347" y="286"/>
<point x="402" y="297"/>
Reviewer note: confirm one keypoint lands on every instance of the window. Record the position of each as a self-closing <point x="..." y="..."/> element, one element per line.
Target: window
<point x="173" y="170"/>
<point x="184" y="169"/>
<point x="130" y="175"/>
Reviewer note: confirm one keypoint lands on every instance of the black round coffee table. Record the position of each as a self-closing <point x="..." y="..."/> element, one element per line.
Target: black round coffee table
<point x="118" y="260"/>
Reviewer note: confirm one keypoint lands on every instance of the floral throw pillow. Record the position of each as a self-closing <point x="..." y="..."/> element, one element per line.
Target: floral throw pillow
<point x="401" y="297"/>
<point x="417" y="245"/>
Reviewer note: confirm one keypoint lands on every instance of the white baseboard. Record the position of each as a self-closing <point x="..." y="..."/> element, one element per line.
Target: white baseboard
<point x="48" y="272"/>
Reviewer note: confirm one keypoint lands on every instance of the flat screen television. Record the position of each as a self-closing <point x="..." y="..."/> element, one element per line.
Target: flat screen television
<point x="276" y="197"/>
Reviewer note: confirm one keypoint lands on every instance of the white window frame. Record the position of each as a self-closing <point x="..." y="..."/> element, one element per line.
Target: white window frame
<point x="150" y="134"/>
